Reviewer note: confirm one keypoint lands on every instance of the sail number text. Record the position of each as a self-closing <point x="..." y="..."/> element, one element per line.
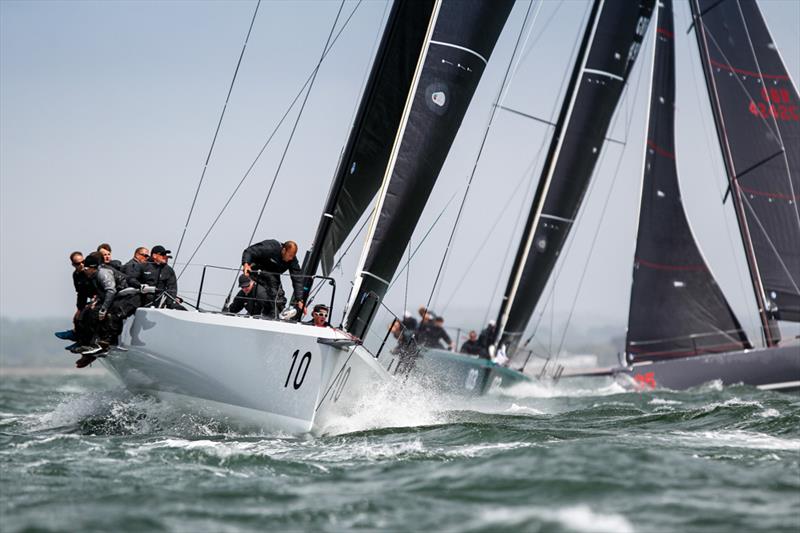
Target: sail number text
<point x="777" y="104"/>
<point x="300" y="373"/>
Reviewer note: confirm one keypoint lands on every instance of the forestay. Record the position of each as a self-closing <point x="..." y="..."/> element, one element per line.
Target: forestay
<point x="607" y="53"/>
<point x="676" y="307"/>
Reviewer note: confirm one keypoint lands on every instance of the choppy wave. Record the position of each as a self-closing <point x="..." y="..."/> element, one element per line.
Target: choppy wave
<point x="539" y="459"/>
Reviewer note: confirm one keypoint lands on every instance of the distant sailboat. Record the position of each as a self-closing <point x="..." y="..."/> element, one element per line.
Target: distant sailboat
<point x="681" y="330"/>
<point x="608" y="50"/>
<point x="296" y="377"/>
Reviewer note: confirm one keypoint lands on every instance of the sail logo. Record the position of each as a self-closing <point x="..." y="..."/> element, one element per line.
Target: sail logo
<point x="777" y="104"/>
<point x="436" y="98"/>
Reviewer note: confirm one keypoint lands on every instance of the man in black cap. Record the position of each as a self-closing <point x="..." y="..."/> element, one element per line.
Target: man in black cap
<point x="252" y="297"/>
<point x="267" y="260"/>
<point x="103" y="323"/>
<point x="157" y="273"/>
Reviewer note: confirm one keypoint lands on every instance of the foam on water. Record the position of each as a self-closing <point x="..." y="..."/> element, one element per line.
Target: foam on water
<point x="563" y="389"/>
<point x="579" y="518"/>
<point x="390" y="405"/>
<point x="737" y="439"/>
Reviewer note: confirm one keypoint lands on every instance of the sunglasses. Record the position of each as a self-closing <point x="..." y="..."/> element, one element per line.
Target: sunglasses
<point x="144" y="255"/>
<point x="321" y="313"/>
<point x="79" y="263"/>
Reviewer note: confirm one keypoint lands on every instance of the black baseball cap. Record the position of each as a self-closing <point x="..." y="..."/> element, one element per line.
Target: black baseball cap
<point x="244" y="280"/>
<point x="158" y="249"/>
<point x="92" y="261"/>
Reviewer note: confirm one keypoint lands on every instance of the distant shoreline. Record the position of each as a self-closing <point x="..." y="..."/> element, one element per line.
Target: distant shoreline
<point x="22" y="371"/>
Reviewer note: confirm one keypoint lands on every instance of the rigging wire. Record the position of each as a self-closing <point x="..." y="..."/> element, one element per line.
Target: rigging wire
<point x="715" y="162"/>
<point x="269" y="139"/>
<point x="776" y="133"/>
<point x="480" y="249"/>
<point x="605" y="203"/>
<point x="296" y="123"/>
<point x="553" y="112"/>
<point x="216" y="132"/>
<point x="506" y="79"/>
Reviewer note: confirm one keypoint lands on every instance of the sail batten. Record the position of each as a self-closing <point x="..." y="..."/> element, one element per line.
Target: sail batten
<point x="757" y="116"/>
<point x="676" y="307"/>
<point x="607" y="52"/>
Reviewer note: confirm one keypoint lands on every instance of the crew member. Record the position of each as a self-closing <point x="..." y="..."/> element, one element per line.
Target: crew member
<point x="107" y="314"/>
<point x="266" y="261"/>
<point x="406" y="348"/>
<point x="319" y="316"/>
<point x="436" y="334"/>
<point x="157" y="273"/>
<point x="252" y="297"/>
<point x="105" y="250"/>
<point x="471" y="346"/>
<point x="487" y="337"/>
<point x="84" y="291"/>
<point x="140" y="257"/>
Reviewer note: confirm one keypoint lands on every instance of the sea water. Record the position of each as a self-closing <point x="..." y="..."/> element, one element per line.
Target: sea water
<point x="79" y="453"/>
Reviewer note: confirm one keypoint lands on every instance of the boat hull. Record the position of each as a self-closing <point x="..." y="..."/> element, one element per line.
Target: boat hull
<point x="454" y="373"/>
<point x="766" y="368"/>
<point x="279" y="376"/>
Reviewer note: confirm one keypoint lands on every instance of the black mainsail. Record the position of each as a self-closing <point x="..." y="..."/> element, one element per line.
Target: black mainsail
<point x="756" y="113"/>
<point x="366" y="154"/>
<point x="462" y="35"/>
<point x="607" y="52"/>
<point x="676" y="307"/>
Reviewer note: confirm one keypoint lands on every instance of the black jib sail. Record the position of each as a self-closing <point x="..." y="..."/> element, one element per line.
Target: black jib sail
<point x="609" y="48"/>
<point x="464" y="33"/>
<point x="676" y="307"/>
<point x="366" y="154"/>
<point x="757" y="116"/>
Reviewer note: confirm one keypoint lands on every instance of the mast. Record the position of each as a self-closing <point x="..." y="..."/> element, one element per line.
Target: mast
<point x="759" y="143"/>
<point x="606" y="55"/>
<point x="461" y="37"/>
<point x="676" y="307"/>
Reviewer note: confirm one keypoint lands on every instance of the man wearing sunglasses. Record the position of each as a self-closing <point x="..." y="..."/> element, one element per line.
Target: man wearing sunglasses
<point x="140" y="257"/>
<point x="84" y="290"/>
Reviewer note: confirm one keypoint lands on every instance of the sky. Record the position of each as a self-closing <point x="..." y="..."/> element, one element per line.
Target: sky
<point x="108" y="109"/>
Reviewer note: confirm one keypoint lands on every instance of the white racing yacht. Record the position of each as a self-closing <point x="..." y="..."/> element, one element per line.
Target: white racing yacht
<point x="293" y="377"/>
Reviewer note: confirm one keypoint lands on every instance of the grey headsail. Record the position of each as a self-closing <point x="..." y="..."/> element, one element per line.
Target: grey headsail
<point x="463" y="35"/>
<point x="607" y="52"/>
<point x="757" y="116"/>
<point x="676" y="308"/>
<point x="366" y="154"/>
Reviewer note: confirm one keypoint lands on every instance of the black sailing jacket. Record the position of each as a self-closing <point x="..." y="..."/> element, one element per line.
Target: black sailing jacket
<point x="266" y="256"/>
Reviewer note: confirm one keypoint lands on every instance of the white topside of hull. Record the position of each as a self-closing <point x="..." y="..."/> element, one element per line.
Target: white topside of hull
<point x="284" y="376"/>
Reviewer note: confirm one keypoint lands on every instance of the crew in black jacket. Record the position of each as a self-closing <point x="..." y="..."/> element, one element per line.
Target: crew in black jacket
<point x="252" y="297"/>
<point x="272" y="258"/>
<point x="157" y="273"/>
